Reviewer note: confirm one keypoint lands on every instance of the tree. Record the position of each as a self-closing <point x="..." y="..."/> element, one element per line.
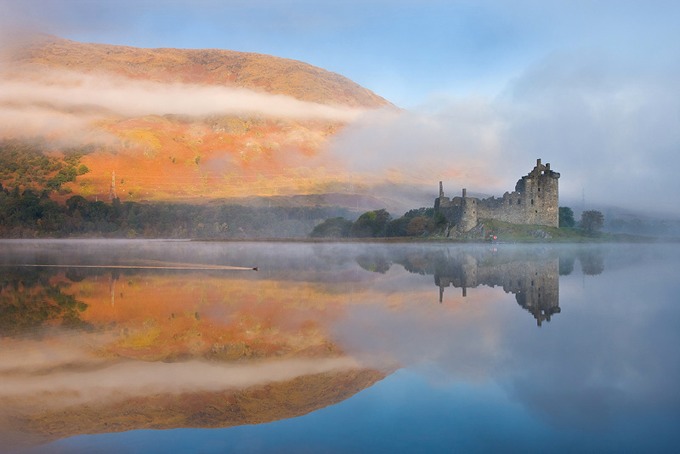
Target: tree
<point x="397" y="227"/>
<point x="371" y="224"/>
<point x="567" y="217"/>
<point x="416" y="222"/>
<point x="418" y="226"/>
<point x="332" y="228"/>
<point x="592" y="221"/>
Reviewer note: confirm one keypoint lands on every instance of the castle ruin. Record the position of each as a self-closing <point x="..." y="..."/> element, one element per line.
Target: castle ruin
<point x="534" y="201"/>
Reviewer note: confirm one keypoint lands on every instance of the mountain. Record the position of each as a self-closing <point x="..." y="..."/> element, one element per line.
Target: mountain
<point x="197" y="66"/>
<point x="176" y="124"/>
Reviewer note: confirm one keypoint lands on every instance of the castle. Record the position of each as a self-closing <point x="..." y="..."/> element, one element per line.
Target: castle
<point x="534" y="201"/>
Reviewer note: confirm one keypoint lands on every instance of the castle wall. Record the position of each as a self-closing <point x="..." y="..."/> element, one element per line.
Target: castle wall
<point x="534" y="201"/>
<point x="459" y="211"/>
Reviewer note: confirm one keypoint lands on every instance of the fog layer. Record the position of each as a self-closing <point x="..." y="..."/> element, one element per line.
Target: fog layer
<point x="608" y="126"/>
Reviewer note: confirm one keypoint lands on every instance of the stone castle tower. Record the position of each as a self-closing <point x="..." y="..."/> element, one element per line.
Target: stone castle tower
<point x="535" y="200"/>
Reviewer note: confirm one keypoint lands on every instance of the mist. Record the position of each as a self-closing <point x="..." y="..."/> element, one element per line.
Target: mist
<point x="69" y="90"/>
<point x="608" y="126"/>
<point x="88" y="380"/>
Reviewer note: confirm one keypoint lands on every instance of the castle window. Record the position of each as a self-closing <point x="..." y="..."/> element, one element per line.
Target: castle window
<point x="532" y="201"/>
<point x="519" y="201"/>
<point x="539" y="189"/>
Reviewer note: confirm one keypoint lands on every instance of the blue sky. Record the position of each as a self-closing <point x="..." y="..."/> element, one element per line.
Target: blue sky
<point x="590" y="86"/>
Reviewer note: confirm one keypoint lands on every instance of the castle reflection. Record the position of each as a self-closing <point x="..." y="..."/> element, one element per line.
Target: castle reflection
<point x="534" y="282"/>
<point x="531" y="274"/>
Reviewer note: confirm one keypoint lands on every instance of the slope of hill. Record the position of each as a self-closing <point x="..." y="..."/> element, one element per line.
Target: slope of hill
<point x="180" y="125"/>
<point x="198" y="66"/>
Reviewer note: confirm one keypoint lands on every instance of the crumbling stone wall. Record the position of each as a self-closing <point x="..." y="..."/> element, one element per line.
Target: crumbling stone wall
<point x="535" y="200"/>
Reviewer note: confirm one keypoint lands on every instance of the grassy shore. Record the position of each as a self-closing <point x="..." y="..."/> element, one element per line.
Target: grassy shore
<point x="486" y="231"/>
<point x="499" y="231"/>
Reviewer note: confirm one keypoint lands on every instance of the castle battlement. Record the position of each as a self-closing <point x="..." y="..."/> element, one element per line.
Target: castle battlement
<point x="535" y="200"/>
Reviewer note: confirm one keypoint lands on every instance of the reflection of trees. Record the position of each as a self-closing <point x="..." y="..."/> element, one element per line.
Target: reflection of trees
<point x="28" y="301"/>
<point x="592" y="262"/>
<point x="378" y="263"/>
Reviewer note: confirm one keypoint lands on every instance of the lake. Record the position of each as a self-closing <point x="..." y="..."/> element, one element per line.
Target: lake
<point x="179" y="346"/>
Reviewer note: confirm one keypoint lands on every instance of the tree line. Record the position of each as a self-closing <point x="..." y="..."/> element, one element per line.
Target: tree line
<point x="424" y="222"/>
<point x="591" y="221"/>
<point x="29" y="214"/>
<point x="380" y="224"/>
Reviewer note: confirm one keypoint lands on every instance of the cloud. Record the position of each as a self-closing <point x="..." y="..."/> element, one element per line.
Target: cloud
<point x="125" y="379"/>
<point x="422" y="147"/>
<point x="58" y="126"/>
<point x="609" y="126"/>
<point x="68" y="90"/>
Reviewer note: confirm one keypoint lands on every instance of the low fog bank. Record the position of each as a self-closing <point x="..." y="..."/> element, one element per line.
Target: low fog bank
<point x="125" y="379"/>
<point x="41" y="102"/>
<point x="609" y="126"/>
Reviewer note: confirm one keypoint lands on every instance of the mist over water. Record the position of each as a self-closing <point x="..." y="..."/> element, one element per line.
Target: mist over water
<point x="576" y="341"/>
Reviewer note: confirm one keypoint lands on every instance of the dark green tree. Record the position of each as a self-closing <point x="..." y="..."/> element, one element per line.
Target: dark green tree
<point x="371" y="224"/>
<point x="567" y="217"/>
<point x="416" y="222"/>
<point x="332" y="228"/>
<point x="592" y="221"/>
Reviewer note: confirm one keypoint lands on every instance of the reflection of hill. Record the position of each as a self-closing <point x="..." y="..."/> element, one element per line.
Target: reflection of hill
<point x="163" y="349"/>
<point x="202" y="409"/>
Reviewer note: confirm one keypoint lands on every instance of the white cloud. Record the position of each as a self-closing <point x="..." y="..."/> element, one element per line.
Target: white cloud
<point x="611" y="128"/>
<point x="59" y="126"/>
<point x="127" y="97"/>
<point x="125" y="379"/>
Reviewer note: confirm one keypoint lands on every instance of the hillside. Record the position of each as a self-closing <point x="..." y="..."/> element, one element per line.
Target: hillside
<point x="196" y="66"/>
<point x="177" y="124"/>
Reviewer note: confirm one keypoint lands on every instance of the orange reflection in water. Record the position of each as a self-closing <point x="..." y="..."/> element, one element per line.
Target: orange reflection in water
<point x="162" y="350"/>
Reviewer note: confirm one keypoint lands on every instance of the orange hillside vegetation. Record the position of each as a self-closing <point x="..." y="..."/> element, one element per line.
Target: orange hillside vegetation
<point x="169" y="145"/>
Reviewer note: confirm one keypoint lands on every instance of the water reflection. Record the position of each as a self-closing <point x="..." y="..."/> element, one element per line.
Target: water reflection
<point x="102" y="350"/>
<point x="529" y="273"/>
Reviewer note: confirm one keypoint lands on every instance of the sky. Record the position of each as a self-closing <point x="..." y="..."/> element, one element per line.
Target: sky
<point x="589" y="86"/>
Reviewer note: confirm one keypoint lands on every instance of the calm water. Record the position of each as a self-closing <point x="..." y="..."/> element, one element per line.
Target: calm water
<point x="143" y="346"/>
